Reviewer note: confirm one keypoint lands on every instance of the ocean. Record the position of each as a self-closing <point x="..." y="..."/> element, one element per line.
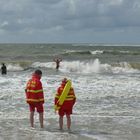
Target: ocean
<point x="105" y="78"/>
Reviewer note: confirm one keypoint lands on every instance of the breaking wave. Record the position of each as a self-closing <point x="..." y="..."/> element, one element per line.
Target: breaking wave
<point x="95" y="52"/>
<point x="92" y="66"/>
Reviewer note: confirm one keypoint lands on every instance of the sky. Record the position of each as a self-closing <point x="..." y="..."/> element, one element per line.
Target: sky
<point x="70" y="21"/>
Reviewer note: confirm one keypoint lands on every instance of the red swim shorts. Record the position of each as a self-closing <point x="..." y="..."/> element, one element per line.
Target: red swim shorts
<point x="63" y="112"/>
<point x="38" y="106"/>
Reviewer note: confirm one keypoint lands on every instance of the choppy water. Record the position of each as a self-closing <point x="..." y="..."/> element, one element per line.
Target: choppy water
<point x="106" y="86"/>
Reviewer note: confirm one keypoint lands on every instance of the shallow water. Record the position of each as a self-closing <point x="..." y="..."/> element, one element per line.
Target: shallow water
<point x="107" y="107"/>
<point x="108" y="96"/>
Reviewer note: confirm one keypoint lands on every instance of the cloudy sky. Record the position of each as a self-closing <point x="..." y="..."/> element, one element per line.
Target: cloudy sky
<point x="70" y="21"/>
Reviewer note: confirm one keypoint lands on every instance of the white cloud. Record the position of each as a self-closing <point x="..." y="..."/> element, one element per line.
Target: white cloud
<point x="5" y="23"/>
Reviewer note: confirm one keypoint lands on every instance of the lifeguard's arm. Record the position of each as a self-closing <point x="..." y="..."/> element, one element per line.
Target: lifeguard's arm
<point x="55" y="102"/>
<point x="39" y="87"/>
<point x="74" y="97"/>
<point x="26" y="89"/>
<point x="57" y="96"/>
<point x="27" y="85"/>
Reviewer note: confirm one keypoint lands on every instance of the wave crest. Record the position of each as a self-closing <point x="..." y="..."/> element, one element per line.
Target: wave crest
<point x="92" y="66"/>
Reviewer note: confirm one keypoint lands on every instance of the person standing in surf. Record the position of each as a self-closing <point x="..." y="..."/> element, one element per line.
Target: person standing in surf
<point x="67" y="106"/>
<point x="57" y="61"/>
<point x="3" y="69"/>
<point x="35" y="97"/>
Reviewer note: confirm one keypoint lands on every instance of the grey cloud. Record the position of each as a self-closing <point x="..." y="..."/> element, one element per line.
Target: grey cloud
<point x="92" y="12"/>
<point x="64" y="16"/>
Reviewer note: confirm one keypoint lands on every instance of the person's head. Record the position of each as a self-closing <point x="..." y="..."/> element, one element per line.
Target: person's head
<point x="38" y="72"/>
<point x="64" y="81"/>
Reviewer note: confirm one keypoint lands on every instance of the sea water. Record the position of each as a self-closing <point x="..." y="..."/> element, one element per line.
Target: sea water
<point x="106" y="83"/>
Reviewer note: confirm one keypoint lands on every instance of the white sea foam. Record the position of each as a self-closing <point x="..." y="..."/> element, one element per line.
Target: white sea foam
<point x="43" y="64"/>
<point x="103" y="100"/>
<point x="92" y="66"/>
<point x="14" y="67"/>
<point x="97" y="52"/>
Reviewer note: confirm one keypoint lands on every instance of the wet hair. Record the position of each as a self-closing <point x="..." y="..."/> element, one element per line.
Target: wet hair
<point x="38" y="72"/>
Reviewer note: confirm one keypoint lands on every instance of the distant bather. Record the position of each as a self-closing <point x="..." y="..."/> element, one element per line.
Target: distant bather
<point x="57" y="60"/>
<point x="3" y="69"/>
